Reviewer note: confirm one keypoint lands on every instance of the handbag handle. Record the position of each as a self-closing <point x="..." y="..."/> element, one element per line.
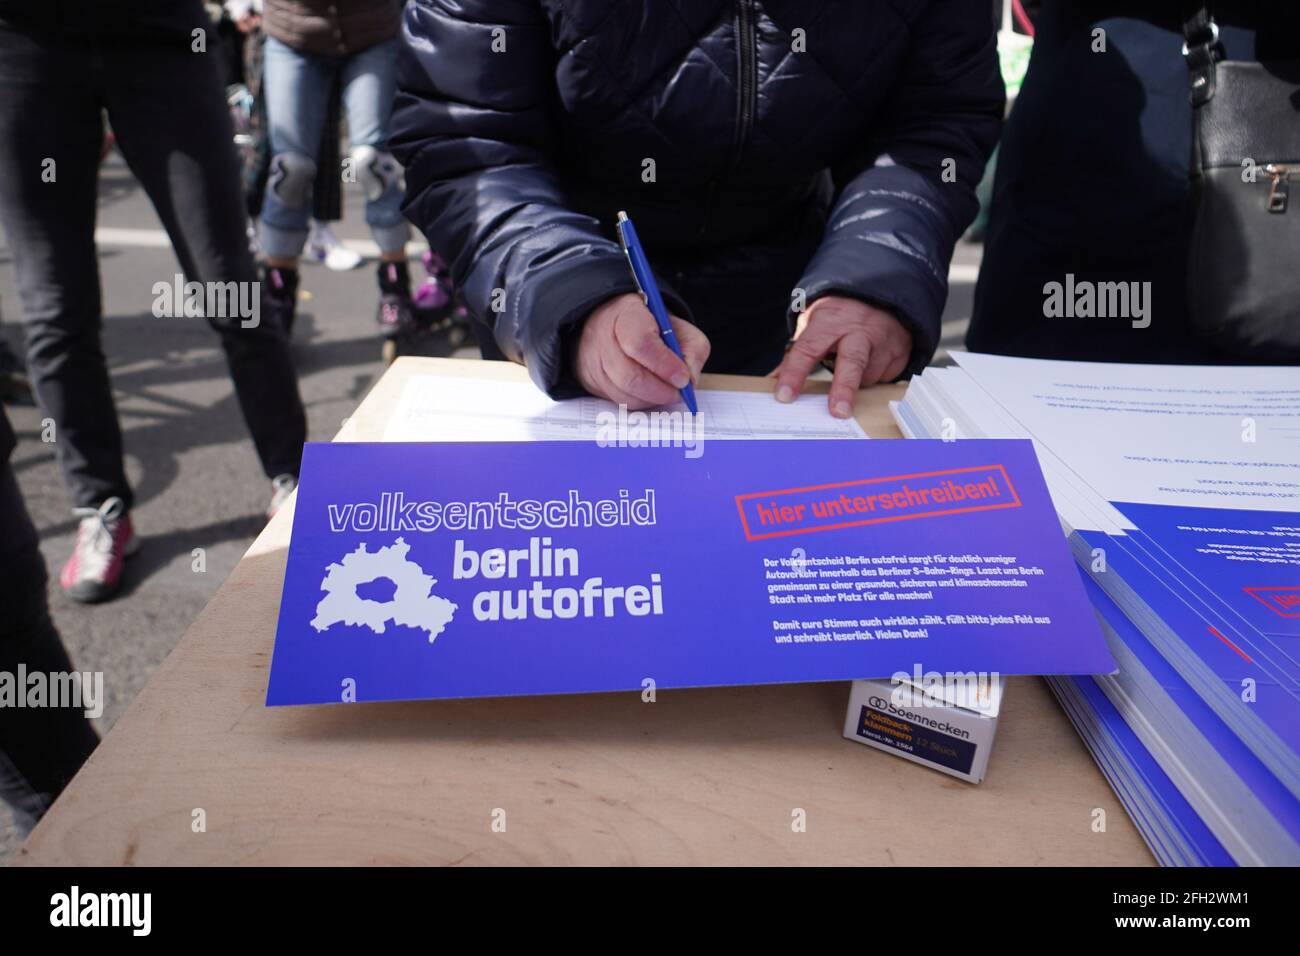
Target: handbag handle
<point x="1201" y="49"/>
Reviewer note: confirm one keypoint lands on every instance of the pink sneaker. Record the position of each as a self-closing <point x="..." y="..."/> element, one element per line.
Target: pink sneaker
<point x="105" y="539"/>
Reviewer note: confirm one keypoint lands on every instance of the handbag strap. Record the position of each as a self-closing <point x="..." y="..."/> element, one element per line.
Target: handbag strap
<point x="1202" y="50"/>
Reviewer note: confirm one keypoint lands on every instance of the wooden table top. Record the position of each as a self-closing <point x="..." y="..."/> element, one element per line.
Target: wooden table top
<point x="711" y="776"/>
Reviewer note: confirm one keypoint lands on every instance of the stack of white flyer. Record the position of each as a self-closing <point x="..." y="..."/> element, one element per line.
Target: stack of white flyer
<point x="1179" y="490"/>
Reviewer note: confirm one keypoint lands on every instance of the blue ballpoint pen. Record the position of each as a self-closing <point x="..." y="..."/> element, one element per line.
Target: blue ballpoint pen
<point x="645" y="282"/>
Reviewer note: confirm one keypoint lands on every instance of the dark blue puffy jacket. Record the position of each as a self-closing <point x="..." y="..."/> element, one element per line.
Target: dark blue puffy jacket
<point x="760" y="148"/>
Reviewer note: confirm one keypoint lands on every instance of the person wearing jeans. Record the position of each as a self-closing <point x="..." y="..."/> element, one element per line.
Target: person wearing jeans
<point x="310" y="43"/>
<point x="136" y="62"/>
<point x="40" y="747"/>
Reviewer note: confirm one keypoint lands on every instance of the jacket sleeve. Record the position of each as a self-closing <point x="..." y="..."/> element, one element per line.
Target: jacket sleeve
<point x="473" y="126"/>
<point x="906" y="194"/>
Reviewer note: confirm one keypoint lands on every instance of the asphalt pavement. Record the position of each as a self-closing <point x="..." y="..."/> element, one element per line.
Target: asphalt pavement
<point x="199" y="489"/>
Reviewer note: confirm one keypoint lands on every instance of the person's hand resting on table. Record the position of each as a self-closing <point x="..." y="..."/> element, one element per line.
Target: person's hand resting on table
<point x="621" y="356"/>
<point x="868" y="345"/>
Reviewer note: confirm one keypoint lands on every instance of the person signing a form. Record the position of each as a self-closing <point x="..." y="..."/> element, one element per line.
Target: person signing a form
<point x="798" y="173"/>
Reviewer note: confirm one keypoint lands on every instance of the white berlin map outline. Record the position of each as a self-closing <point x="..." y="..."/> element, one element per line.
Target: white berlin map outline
<point x="413" y="603"/>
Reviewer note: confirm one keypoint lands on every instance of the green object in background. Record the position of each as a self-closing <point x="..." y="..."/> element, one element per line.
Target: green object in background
<point x="1013" y="57"/>
<point x="984" y="193"/>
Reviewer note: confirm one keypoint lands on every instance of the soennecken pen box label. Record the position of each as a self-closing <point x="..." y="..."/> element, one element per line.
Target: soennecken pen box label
<point x="935" y="741"/>
<point x="495" y="569"/>
<point x="949" y="728"/>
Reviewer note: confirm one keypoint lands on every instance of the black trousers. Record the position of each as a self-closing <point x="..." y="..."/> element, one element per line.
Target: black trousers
<point x="40" y="748"/>
<point x="166" y="107"/>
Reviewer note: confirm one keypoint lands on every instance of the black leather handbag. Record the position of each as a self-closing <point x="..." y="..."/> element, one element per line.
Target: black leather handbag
<point x="1244" y="268"/>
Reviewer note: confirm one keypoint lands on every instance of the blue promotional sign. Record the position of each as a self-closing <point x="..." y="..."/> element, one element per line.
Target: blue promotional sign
<point x="498" y="569"/>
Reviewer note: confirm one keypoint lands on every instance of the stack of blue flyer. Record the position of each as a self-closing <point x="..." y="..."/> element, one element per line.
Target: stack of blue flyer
<point x="1179" y="490"/>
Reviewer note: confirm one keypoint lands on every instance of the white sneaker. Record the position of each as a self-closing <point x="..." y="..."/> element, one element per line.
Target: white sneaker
<point x="324" y="246"/>
<point x="105" y="539"/>
<point x="282" y="489"/>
